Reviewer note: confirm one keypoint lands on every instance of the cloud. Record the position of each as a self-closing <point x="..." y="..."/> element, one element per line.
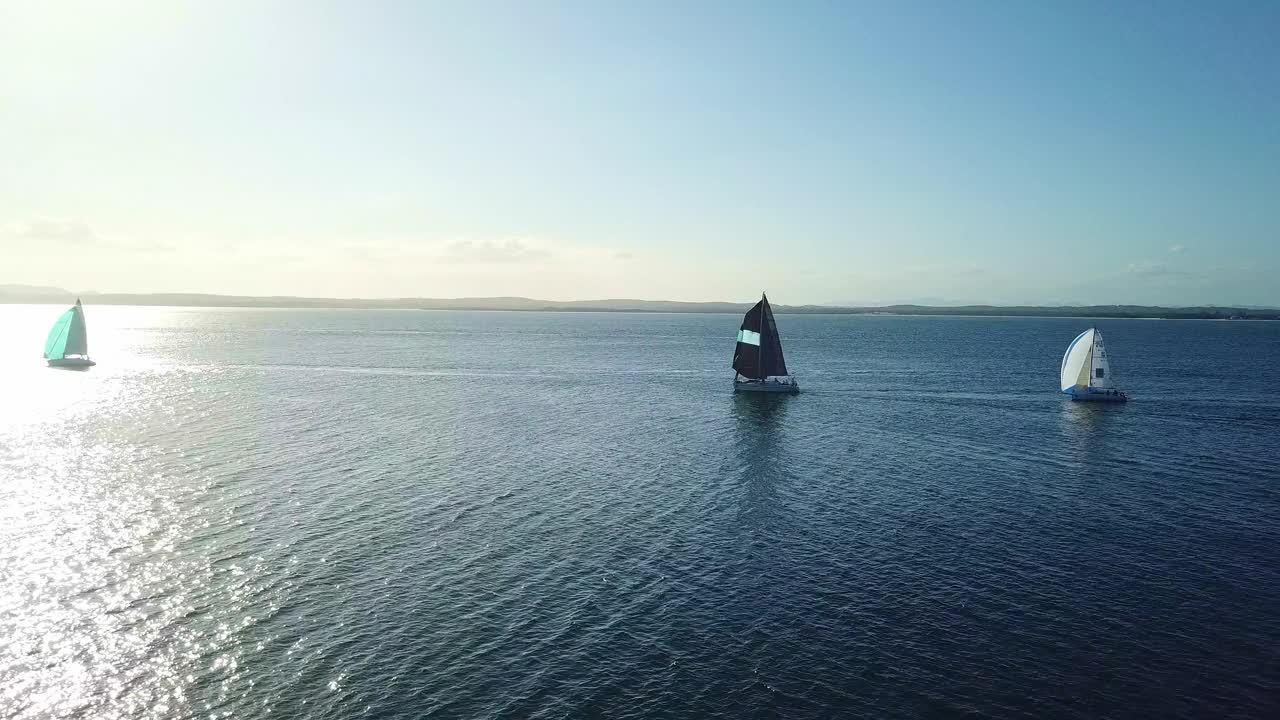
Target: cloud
<point x="509" y="254"/>
<point x="957" y="281"/>
<point x="1176" y="249"/>
<point x="968" y="270"/>
<point x="69" y="231"/>
<point x="965" y="268"/>
<point x="50" y="233"/>
<point x="1154" y="269"/>
<point x="512" y="250"/>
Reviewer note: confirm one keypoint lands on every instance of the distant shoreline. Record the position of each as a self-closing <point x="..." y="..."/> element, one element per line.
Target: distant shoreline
<point x="15" y="295"/>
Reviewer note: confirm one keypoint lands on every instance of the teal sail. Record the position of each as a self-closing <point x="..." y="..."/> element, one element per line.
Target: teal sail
<point x="68" y="336"/>
<point x="55" y="348"/>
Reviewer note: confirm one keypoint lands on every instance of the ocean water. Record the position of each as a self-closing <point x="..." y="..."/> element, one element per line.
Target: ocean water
<point x="333" y="514"/>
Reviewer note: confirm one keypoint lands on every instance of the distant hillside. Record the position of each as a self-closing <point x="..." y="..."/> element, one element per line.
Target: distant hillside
<point x="32" y="294"/>
<point x="1212" y="312"/>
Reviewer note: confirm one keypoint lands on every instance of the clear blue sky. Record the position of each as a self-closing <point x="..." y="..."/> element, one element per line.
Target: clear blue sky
<point x="969" y="152"/>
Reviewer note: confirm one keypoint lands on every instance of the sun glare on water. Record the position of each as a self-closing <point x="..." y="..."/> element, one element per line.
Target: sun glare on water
<point x="93" y="594"/>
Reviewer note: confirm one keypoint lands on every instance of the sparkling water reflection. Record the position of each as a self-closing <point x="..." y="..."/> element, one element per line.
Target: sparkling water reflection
<point x="405" y="514"/>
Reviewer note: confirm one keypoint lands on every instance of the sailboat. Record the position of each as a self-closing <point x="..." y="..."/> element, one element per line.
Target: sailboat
<point x="758" y="355"/>
<point x="1086" y="371"/>
<point x="68" y="343"/>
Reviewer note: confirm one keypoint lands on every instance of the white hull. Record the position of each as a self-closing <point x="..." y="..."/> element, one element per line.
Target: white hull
<point x="771" y="385"/>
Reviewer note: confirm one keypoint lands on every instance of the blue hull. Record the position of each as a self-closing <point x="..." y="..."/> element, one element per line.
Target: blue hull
<point x="1103" y="397"/>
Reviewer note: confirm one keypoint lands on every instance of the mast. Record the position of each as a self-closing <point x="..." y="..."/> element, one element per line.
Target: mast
<point x="1093" y="355"/>
<point x="777" y="364"/>
<point x="759" y="349"/>
<point x="764" y="303"/>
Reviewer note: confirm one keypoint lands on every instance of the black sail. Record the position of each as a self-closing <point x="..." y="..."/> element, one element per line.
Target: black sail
<point x="758" y="353"/>
<point x="771" y="344"/>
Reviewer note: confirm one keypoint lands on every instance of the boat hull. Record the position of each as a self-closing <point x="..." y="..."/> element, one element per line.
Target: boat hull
<point x="766" y="386"/>
<point x="1099" y="396"/>
<point x="72" y="363"/>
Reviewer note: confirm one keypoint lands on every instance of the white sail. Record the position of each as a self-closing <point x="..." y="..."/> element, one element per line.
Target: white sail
<point x="1100" y="367"/>
<point x="1077" y="362"/>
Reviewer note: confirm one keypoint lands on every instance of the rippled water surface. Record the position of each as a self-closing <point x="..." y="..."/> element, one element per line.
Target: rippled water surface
<point x="330" y="514"/>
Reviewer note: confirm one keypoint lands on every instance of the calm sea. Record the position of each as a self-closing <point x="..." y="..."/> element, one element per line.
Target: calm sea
<point x="333" y="514"/>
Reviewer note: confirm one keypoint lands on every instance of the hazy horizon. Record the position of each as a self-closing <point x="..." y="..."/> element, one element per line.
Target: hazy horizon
<point x="864" y="155"/>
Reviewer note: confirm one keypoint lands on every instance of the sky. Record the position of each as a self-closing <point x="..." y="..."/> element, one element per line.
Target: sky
<point x="842" y="152"/>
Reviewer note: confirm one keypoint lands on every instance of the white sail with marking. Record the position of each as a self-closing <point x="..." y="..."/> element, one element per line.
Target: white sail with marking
<point x="1100" y="367"/>
<point x="1085" y="364"/>
<point x="1086" y="370"/>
